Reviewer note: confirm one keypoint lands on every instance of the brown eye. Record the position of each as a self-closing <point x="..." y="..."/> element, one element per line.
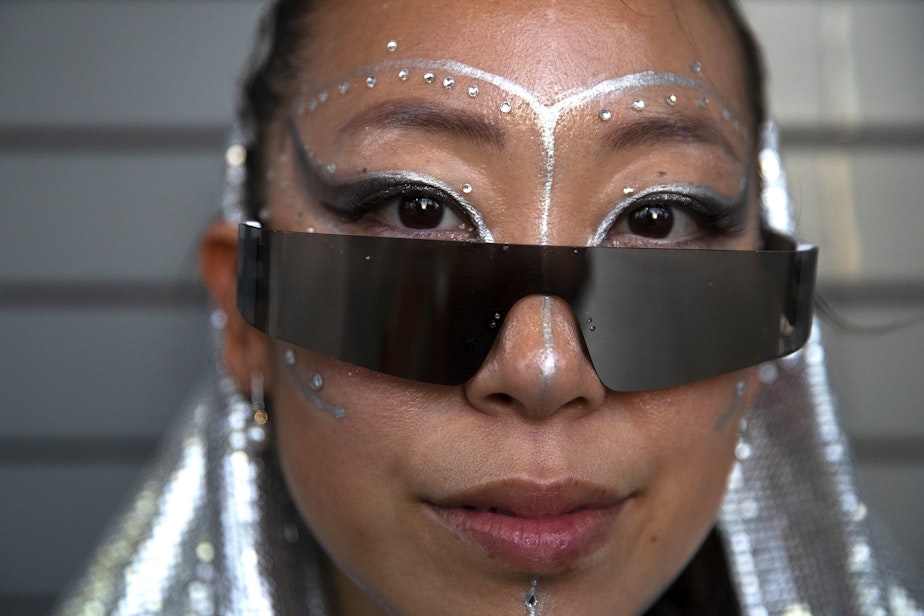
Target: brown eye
<point x="420" y="213"/>
<point x="654" y="221"/>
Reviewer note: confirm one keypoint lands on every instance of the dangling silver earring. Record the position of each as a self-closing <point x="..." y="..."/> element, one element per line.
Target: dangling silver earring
<point x="257" y="405"/>
<point x="743" y="449"/>
<point x="258" y="431"/>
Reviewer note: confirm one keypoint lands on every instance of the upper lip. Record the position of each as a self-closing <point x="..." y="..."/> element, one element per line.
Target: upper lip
<point x="532" y="499"/>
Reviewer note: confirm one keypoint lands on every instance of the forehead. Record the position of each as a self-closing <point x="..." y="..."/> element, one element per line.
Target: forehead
<point x="549" y="47"/>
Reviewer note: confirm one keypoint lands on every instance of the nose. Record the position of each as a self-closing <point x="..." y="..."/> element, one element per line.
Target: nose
<point x="538" y="365"/>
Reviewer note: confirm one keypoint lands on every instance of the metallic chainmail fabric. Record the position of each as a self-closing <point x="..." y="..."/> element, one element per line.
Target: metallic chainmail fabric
<point x="211" y="530"/>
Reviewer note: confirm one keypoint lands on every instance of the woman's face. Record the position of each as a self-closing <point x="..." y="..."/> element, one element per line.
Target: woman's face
<point x="577" y="123"/>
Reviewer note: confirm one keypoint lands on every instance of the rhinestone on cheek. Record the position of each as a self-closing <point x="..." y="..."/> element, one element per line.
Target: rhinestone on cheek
<point x="370" y="82"/>
<point x="671" y="100"/>
<point x="403" y="74"/>
<point x="429" y="77"/>
<point x="697" y="66"/>
<point x="473" y="91"/>
<point x="466" y="188"/>
<point x="449" y="82"/>
<point x="343" y="87"/>
<point x="605" y="114"/>
<point x="505" y="107"/>
<point x="392" y="45"/>
<point x="316" y="382"/>
<point x="638" y="105"/>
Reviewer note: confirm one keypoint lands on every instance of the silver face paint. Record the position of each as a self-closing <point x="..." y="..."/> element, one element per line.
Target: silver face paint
<point x="547" y="115"/>
<point x="531" y="600"/>
<point x="310" y="391"/>
<point x="702" y="193"/>
<point x="549" y="356"/>
<point x="734" y="409"/>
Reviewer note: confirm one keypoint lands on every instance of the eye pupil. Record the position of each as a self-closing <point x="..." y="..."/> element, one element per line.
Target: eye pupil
<point x="420" y="213"/>
<point x="653" y="221"/>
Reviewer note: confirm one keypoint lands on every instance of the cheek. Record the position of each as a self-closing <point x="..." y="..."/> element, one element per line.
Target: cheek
<point x="694" y="444"/>
<point x="341" y="445"/>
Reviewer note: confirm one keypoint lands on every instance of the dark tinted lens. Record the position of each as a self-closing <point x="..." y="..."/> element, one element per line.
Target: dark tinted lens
<point x="430" y="311"/>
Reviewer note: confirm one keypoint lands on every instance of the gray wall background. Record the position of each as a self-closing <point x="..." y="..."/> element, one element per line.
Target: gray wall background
<point x="112" y="121"/>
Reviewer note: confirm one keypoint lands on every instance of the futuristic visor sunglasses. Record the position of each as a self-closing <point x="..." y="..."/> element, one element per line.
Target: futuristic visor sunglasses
<point x="430" y="310"/>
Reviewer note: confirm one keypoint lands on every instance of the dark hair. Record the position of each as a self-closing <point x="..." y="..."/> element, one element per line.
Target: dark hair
<point x="270" y="81"/>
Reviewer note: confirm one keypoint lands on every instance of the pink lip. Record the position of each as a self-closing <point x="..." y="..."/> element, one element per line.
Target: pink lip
<point x="532" y="527"/>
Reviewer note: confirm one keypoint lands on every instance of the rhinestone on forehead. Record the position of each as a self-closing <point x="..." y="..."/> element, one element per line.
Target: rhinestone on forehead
<point x="549" y="113"/>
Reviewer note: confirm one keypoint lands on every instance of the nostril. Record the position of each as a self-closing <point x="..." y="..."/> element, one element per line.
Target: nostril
<point x="501" y="399"/>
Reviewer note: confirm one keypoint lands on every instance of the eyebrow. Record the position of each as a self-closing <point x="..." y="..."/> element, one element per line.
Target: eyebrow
<point x="654" y="131"/>
<point x="429" y="117"/>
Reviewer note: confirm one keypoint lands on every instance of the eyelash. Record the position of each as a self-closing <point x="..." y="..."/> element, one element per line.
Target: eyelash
<point x="717" y="215"/>
<point x="356" y="200"/>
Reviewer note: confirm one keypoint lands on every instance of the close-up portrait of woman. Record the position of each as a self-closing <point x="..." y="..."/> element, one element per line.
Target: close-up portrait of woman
<point x="509" y="319"/>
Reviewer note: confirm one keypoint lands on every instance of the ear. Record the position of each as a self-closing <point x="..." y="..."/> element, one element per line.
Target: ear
<point x="245" y="348"/>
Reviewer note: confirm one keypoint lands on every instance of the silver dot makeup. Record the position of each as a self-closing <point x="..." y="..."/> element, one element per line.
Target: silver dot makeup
<point x="400" y="145"/>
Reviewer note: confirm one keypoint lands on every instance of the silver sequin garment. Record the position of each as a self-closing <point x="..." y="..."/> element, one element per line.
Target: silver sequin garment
<point x="211" y="531"/>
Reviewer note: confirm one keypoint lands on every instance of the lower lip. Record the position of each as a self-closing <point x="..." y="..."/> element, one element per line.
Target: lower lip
<point x="532" y="545"/>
